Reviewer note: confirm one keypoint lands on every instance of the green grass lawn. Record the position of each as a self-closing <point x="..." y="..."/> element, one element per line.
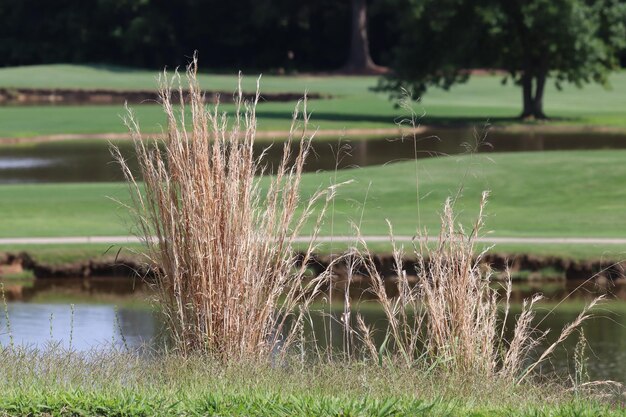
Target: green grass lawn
<point x="548" y="194"/>
<point x="483" y="99"/>
<point x="119" y="78"/>
<point x="68" y="253"/>
<point x="353" y="112"/>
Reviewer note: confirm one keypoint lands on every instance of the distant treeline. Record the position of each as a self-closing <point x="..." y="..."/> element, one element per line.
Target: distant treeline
<point x="253" y="34"/>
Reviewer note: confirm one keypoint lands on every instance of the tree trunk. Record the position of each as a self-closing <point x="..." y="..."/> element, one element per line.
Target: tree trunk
<point x="360" y="60"/>
<point x="538" y="99"/>
<point x="527" y="96"/>
<point x="533" y="98"/>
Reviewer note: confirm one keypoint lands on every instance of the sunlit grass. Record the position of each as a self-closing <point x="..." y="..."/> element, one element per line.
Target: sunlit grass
<point x="353" y="106"/>
<point x="558" y="194"/>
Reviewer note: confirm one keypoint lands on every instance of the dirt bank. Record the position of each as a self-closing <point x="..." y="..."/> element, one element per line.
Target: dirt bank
<point x="18" y="263"/>
<point x="520" y="265"/>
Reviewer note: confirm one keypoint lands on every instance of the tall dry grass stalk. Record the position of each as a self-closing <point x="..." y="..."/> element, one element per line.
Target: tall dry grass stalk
<point x="455" y="319"/>
<point x="230" y="284"/>
<point x="461" y="307"/>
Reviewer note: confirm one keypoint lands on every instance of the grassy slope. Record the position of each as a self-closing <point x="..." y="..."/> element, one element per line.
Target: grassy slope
<point x="355" y="106"/>
<point x="482" y="99"/>
<point x="67" y="253"/>
<point x="354" y="112"/>
<point x="533" y="194"/>
<point x="119" y="78"/>
<point x="577" y="193"/>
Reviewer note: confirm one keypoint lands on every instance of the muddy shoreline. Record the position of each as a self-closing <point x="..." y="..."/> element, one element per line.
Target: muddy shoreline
<point x="17" y="263"/>
<point x="521" y="266"/>
<point x="42" y="96"/>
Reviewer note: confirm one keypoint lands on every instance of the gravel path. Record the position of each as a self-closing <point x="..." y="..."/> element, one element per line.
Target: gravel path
<point x="369" y="239"/>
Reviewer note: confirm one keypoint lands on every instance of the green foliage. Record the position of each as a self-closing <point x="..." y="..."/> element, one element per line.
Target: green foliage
<point x="577" y="41"/>
<point x="574" y="41"/>
<point x="263" y="34"/>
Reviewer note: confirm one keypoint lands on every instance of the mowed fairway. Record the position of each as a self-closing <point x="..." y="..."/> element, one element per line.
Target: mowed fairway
<point x="353" y="105"/>
<point x="548" y="194"/>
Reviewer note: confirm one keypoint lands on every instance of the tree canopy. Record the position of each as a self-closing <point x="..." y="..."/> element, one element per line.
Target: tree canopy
<point x="244" y="34"/>
<point x="575" y="41"/>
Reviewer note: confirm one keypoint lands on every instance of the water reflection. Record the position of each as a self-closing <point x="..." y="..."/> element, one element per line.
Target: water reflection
<point x="39" y="312"/>
<point x="82" y="289"/>
<point x="84" y="327"/>
<point x="605" y="333"/>
<point x="106" y="311"/>
<point x="91" y="160"/>
<point x="25" y="163"/>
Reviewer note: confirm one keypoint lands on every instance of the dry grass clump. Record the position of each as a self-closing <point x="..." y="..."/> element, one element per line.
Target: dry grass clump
<point x="229" y="283"/>
<point x="451" y="320"/>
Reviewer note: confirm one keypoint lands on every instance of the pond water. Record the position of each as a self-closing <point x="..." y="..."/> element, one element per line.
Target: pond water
<point x="86" y="161"/>
<point x="81" y="313"/>
<point x="95" y="313"/>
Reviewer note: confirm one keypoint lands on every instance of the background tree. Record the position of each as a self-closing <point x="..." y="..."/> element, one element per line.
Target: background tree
<point x="253" y="35"/>
<point x="359" y="59"/>
<point x="576" y="41"/>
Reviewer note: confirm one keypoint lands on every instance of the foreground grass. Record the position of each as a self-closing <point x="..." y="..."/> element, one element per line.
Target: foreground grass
<point x="483" y="99"/>
<point x="111" y="383"/>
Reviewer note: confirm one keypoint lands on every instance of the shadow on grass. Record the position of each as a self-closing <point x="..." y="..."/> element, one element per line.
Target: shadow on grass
<point x="116" y="68"/>
<point x="461" y="121"/>
<point x="437" y="121"/>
